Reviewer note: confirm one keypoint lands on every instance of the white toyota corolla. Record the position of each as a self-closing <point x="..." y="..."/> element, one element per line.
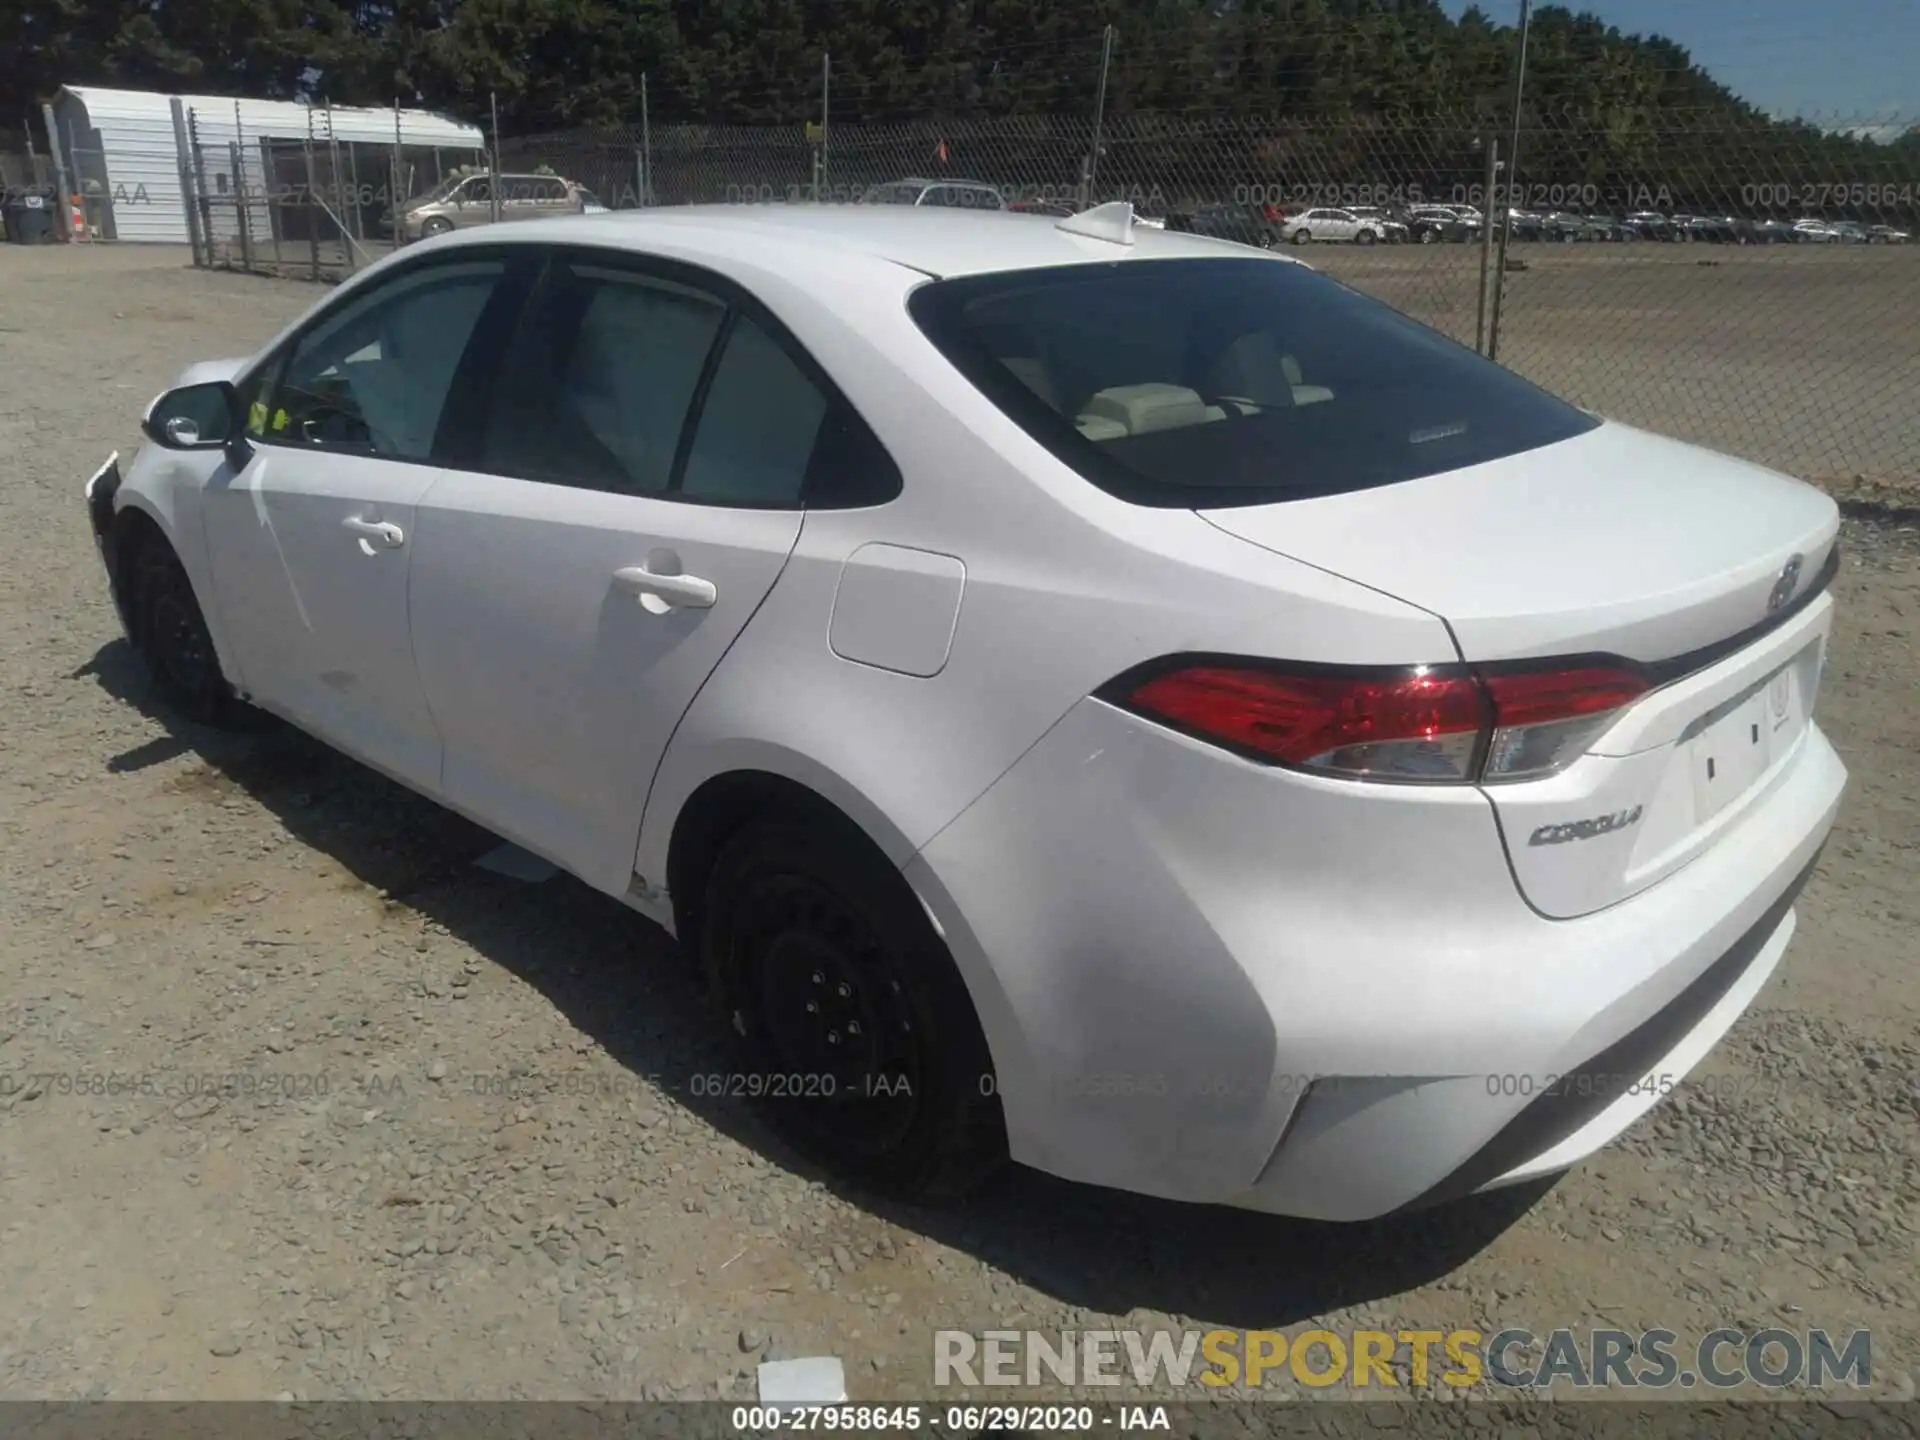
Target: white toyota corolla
<point x="1080" y="691"/>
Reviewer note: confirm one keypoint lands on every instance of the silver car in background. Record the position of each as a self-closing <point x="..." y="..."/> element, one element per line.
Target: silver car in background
<point x="952" y="194"/>
<point x="461" y="201"/>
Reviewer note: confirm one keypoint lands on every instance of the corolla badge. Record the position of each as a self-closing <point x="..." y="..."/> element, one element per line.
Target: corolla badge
<point x="1584" y="829"/>
<point x="1783" y="588"/>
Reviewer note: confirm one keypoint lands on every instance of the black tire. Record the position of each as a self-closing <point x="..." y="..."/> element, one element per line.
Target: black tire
<point x="1302" y="237"/>
<point x="438" y="225"/>
<point x="1365" y="237"/>
<point x="828" y="972"/>
<point x="170" y="632"/>
<point x="1427" y="237"/>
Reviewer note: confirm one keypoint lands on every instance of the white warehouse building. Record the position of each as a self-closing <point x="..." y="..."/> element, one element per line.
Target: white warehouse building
<point x="124" y="152"/>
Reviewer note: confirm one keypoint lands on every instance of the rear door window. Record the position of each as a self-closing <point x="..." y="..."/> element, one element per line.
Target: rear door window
<point x="600" y="380"/>
<point x="1220" y="382"/>
<point x="662" y="380"/>
<point x="758" y="424"/>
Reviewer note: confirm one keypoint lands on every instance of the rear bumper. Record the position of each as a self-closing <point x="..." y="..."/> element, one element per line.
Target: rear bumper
<point x="1212" y="981"/>
<point x="1572" y="1115"/>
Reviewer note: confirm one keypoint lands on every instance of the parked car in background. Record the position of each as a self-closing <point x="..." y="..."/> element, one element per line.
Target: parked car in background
<point x="461" y="201"/>
<point x="1772" y="232"/>
<point x="1327" y="223"/>
<point x="1441" y="224"/>
<point x="1524" y="224"/>
<point x="1852" y="232"/>
<point x="1719" y="230"/>
<point x="1569" y="226"/>
<point x="1887" y="235"/>
<point x="1564" y="226"/>
<point x="1648" y="225"/>
<point x="1372" y="764"/>
<point x="1816" y="232"/>
<point x="951" y="194"/>
<point x="1243" y="222"/>
<point x="1393" y="230"/>
<point x="1059" y="209"/>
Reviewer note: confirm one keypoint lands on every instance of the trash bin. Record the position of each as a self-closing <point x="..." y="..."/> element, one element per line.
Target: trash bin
<point x="29" y="219"/>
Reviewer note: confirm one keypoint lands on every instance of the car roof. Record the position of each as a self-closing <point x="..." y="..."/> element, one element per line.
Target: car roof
<point x="938" y="242"/>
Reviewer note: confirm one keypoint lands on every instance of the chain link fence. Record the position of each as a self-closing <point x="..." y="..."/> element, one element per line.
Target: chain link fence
<point x="1706" y="272"/>
<point x="311" y="205"/>
<point x="1747" y="286"/>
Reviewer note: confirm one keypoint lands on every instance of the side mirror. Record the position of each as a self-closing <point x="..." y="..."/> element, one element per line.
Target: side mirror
<point x="195" y="417"/>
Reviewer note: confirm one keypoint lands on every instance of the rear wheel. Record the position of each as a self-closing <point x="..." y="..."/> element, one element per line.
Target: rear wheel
<point x="438" y="225"/>
<point x="859" y="1040"/>
<point x="1365" y="237"/>
<point x="1301" y="237"/>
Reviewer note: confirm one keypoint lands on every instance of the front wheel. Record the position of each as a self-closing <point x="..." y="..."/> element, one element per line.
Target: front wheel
<point x="1302" y="237"/>
<point x="1427" y="237"/>
<point x="859" y="1041"/>
<point x="438" y="225"/>
<point x="1365" y="237"/>
<point x="171" y="635"/>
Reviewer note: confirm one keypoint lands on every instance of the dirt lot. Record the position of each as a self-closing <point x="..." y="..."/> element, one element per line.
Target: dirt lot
<point x="465" y="1157"/>
<point x="1803" y="357"/>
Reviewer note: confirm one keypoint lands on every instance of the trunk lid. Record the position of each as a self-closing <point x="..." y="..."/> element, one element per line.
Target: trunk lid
<point x="1615" y="542"/>
<point x="1694" y="565"/>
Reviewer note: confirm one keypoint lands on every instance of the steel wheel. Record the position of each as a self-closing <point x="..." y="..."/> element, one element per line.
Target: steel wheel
<point x="171" y="634"/>
<point x="831" y="1014"/>
<point x="858" y="1038"/>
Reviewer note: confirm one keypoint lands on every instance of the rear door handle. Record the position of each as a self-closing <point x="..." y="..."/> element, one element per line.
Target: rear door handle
<point x="387" y="533"/>
<point x="688" y="590"/>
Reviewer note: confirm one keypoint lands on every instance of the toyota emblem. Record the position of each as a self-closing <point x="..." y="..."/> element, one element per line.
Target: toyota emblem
<point x="1783" y="588"/>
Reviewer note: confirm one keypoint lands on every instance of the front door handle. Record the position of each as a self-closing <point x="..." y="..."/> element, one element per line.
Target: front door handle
<point x="666" y="590"/>
<point x="384" y="531"/>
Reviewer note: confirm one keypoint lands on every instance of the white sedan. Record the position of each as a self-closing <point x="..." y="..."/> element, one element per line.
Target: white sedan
<point x="1077" y="691"/>
<point x="1331" y="224"/>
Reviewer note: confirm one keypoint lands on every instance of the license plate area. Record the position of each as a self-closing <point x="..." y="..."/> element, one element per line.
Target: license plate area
<point x="1730" y="747"/>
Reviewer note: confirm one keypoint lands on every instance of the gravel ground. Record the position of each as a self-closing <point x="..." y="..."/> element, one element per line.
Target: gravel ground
<point x="1803" y="357"/>
<point x="467" y="1158"/>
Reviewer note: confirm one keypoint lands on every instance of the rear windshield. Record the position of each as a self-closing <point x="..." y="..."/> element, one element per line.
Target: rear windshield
<point x="1230" y="382"/>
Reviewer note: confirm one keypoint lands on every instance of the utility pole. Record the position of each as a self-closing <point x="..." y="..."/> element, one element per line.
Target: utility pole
<point x="646" y="145"/>
<point x="1513" y="172"/>
<point x="493" y="186"/>
<point x="1492" y="146"/>
<point x="826" y="90"/>
<point x="63" y="202"/>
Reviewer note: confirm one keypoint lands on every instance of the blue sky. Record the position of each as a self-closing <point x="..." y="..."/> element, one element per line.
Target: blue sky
<point x="1817" y="58"/>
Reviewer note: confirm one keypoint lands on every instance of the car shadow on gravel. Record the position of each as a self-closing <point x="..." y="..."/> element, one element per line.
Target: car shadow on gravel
<point x="620" y="981"/>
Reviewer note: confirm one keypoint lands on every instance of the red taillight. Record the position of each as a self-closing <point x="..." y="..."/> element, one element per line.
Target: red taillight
<point x="1533" y="697"/>
<point x="1431" y="723"/>
<point x="1420" y="724"/>
<point x="1272" y="212"/>
<point x="1545" y="718"/>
